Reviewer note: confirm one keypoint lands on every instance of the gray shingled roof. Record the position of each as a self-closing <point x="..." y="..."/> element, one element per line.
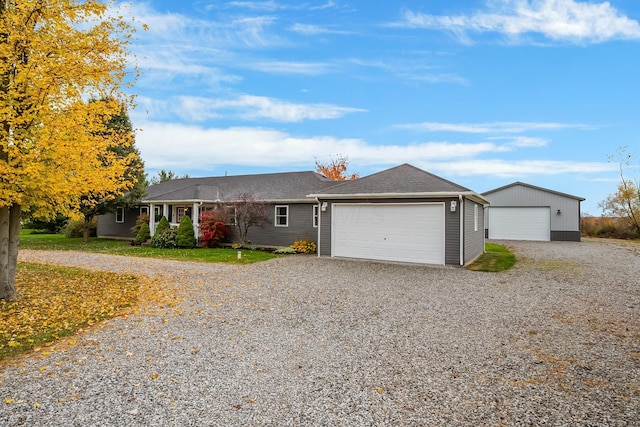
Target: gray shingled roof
<point x="268" y="187"/>
<point x="398" y="180"/>
<point x="523" y="184"/>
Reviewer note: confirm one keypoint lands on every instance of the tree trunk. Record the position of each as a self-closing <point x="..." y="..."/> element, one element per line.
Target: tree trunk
<point x="14" y="243"/>
<point x="9" y="244"/>
<point x="86" y="230"/>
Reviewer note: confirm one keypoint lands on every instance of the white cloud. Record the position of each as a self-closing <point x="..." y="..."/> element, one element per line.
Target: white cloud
<point x="184" y="147"/>
<point x="246" y="107"/>
<point x="518" y="169"/>
<point x="495" y="127"/>
<point x="286" y="67"/>
<point x="207" y="147"/>
<point x="560" y="20"/>
<point x="274" y="6"/>
<point x="527" y="141"/>
<point x="312" y="30"/>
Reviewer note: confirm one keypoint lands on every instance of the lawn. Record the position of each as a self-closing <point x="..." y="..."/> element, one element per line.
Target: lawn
<point x="58" y="242"/>
<point x="494" y="259"/>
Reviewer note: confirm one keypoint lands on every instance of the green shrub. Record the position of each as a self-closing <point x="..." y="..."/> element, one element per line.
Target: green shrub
<point x="143" y="235"/>
<point x="186" y="238"/>
<point x="53" y="226"/>
<point x="304" y="246"/>
<point x="140" y="220"/>
<point x="163" y="224"/>
<point x="75" y="227"/>
<point x="165" y="239"/>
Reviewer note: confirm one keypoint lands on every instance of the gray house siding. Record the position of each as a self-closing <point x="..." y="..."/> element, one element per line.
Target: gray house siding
<point x="452" y="225"/>
<point x="564" y="225"/>
<point x="473" y="236"/>
<point x="324" y="244"/>
<point x="451" y="232"/>
<point x="108" y="227"/>
<point x="300" y="227"/>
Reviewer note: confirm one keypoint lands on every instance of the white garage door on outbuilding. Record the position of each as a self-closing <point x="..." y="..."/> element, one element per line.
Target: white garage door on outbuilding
<point x="407" y="232"/>
<point x="520" y="223"/>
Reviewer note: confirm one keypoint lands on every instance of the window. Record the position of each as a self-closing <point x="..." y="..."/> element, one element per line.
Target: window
<point x="230" y="214"/>
<point x="282" y="216"/>
<point x="158" y="212"/>
<point x="144" y="210"/>
<point x="180" y="213"/>
<point x="475" y="217"/>
<point x="315" y="215"/>
<point x="119" y="215"/>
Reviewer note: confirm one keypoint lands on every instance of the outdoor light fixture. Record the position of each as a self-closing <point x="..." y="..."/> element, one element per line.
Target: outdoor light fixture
<point x="324" y="206"/>
<point x="454" y="204"/>
<point x="558" y="212"/>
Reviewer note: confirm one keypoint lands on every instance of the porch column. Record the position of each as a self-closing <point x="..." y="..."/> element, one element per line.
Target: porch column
<point x="152" y="219"/>
<point x="195" y="215"/>
<point x="165" y="211"/>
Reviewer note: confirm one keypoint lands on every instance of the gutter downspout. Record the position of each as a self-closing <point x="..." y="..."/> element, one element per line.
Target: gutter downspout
<point x="461" y="213"/>
<point x="319" y="222"/>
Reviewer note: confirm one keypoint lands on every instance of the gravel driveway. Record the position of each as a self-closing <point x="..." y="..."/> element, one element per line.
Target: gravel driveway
<point x="307" y="341"/>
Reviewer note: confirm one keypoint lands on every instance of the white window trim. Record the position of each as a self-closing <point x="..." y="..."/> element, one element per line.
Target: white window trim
<point x="286" y="216"/>
<point x="316" y="216"/>
<point x="120" y="210"/>
<point x="144" y="210"/>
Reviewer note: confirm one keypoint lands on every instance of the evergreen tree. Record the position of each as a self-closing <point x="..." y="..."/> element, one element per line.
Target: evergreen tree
<point x="186" y="238"/>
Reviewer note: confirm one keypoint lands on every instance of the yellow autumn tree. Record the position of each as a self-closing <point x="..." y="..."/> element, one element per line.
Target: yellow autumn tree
<point x="55" y="57"/>
<point x="624" y="203"/>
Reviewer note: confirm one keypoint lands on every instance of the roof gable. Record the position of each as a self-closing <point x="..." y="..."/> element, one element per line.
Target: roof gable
<point x="403" y="179"/>
<point x="522" y="184"/>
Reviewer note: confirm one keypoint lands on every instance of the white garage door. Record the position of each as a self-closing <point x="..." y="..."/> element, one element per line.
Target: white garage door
<point x="412" y="232"/>
<point x="523" y="223"/>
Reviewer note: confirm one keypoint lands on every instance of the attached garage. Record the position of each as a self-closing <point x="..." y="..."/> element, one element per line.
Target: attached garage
<point x="401" y="214"/>
<point x="409" y="232"/>
<point x="520" y="223"/>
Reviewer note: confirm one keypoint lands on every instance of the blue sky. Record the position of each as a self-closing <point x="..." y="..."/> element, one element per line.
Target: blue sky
<point x="482" y="92"/>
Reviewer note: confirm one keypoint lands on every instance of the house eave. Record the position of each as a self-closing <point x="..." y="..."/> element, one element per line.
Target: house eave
<point x="191" y="201"/>
<point x="428" y="195"/>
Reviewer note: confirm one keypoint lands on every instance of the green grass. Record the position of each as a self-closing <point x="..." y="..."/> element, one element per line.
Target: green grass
<point x="58" y="242"/>
<point x="496" y="258"/>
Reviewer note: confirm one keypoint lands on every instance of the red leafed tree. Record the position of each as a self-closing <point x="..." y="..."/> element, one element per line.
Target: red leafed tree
<point x="213" y="229"/>
<point x="336" y="169"/>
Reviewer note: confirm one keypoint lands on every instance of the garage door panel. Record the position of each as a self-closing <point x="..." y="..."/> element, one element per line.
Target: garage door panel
<point x="521" y="223"/>
<point x="395" y="232"/>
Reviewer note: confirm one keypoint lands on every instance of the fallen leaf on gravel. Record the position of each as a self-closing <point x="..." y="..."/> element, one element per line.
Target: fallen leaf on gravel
<point x="154" y="376"/>
<point x="8" y="401"/>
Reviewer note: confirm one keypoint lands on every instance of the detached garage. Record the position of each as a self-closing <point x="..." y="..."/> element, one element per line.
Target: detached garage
<point x="522" y="211"/>
<point x="401" y="214"/>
